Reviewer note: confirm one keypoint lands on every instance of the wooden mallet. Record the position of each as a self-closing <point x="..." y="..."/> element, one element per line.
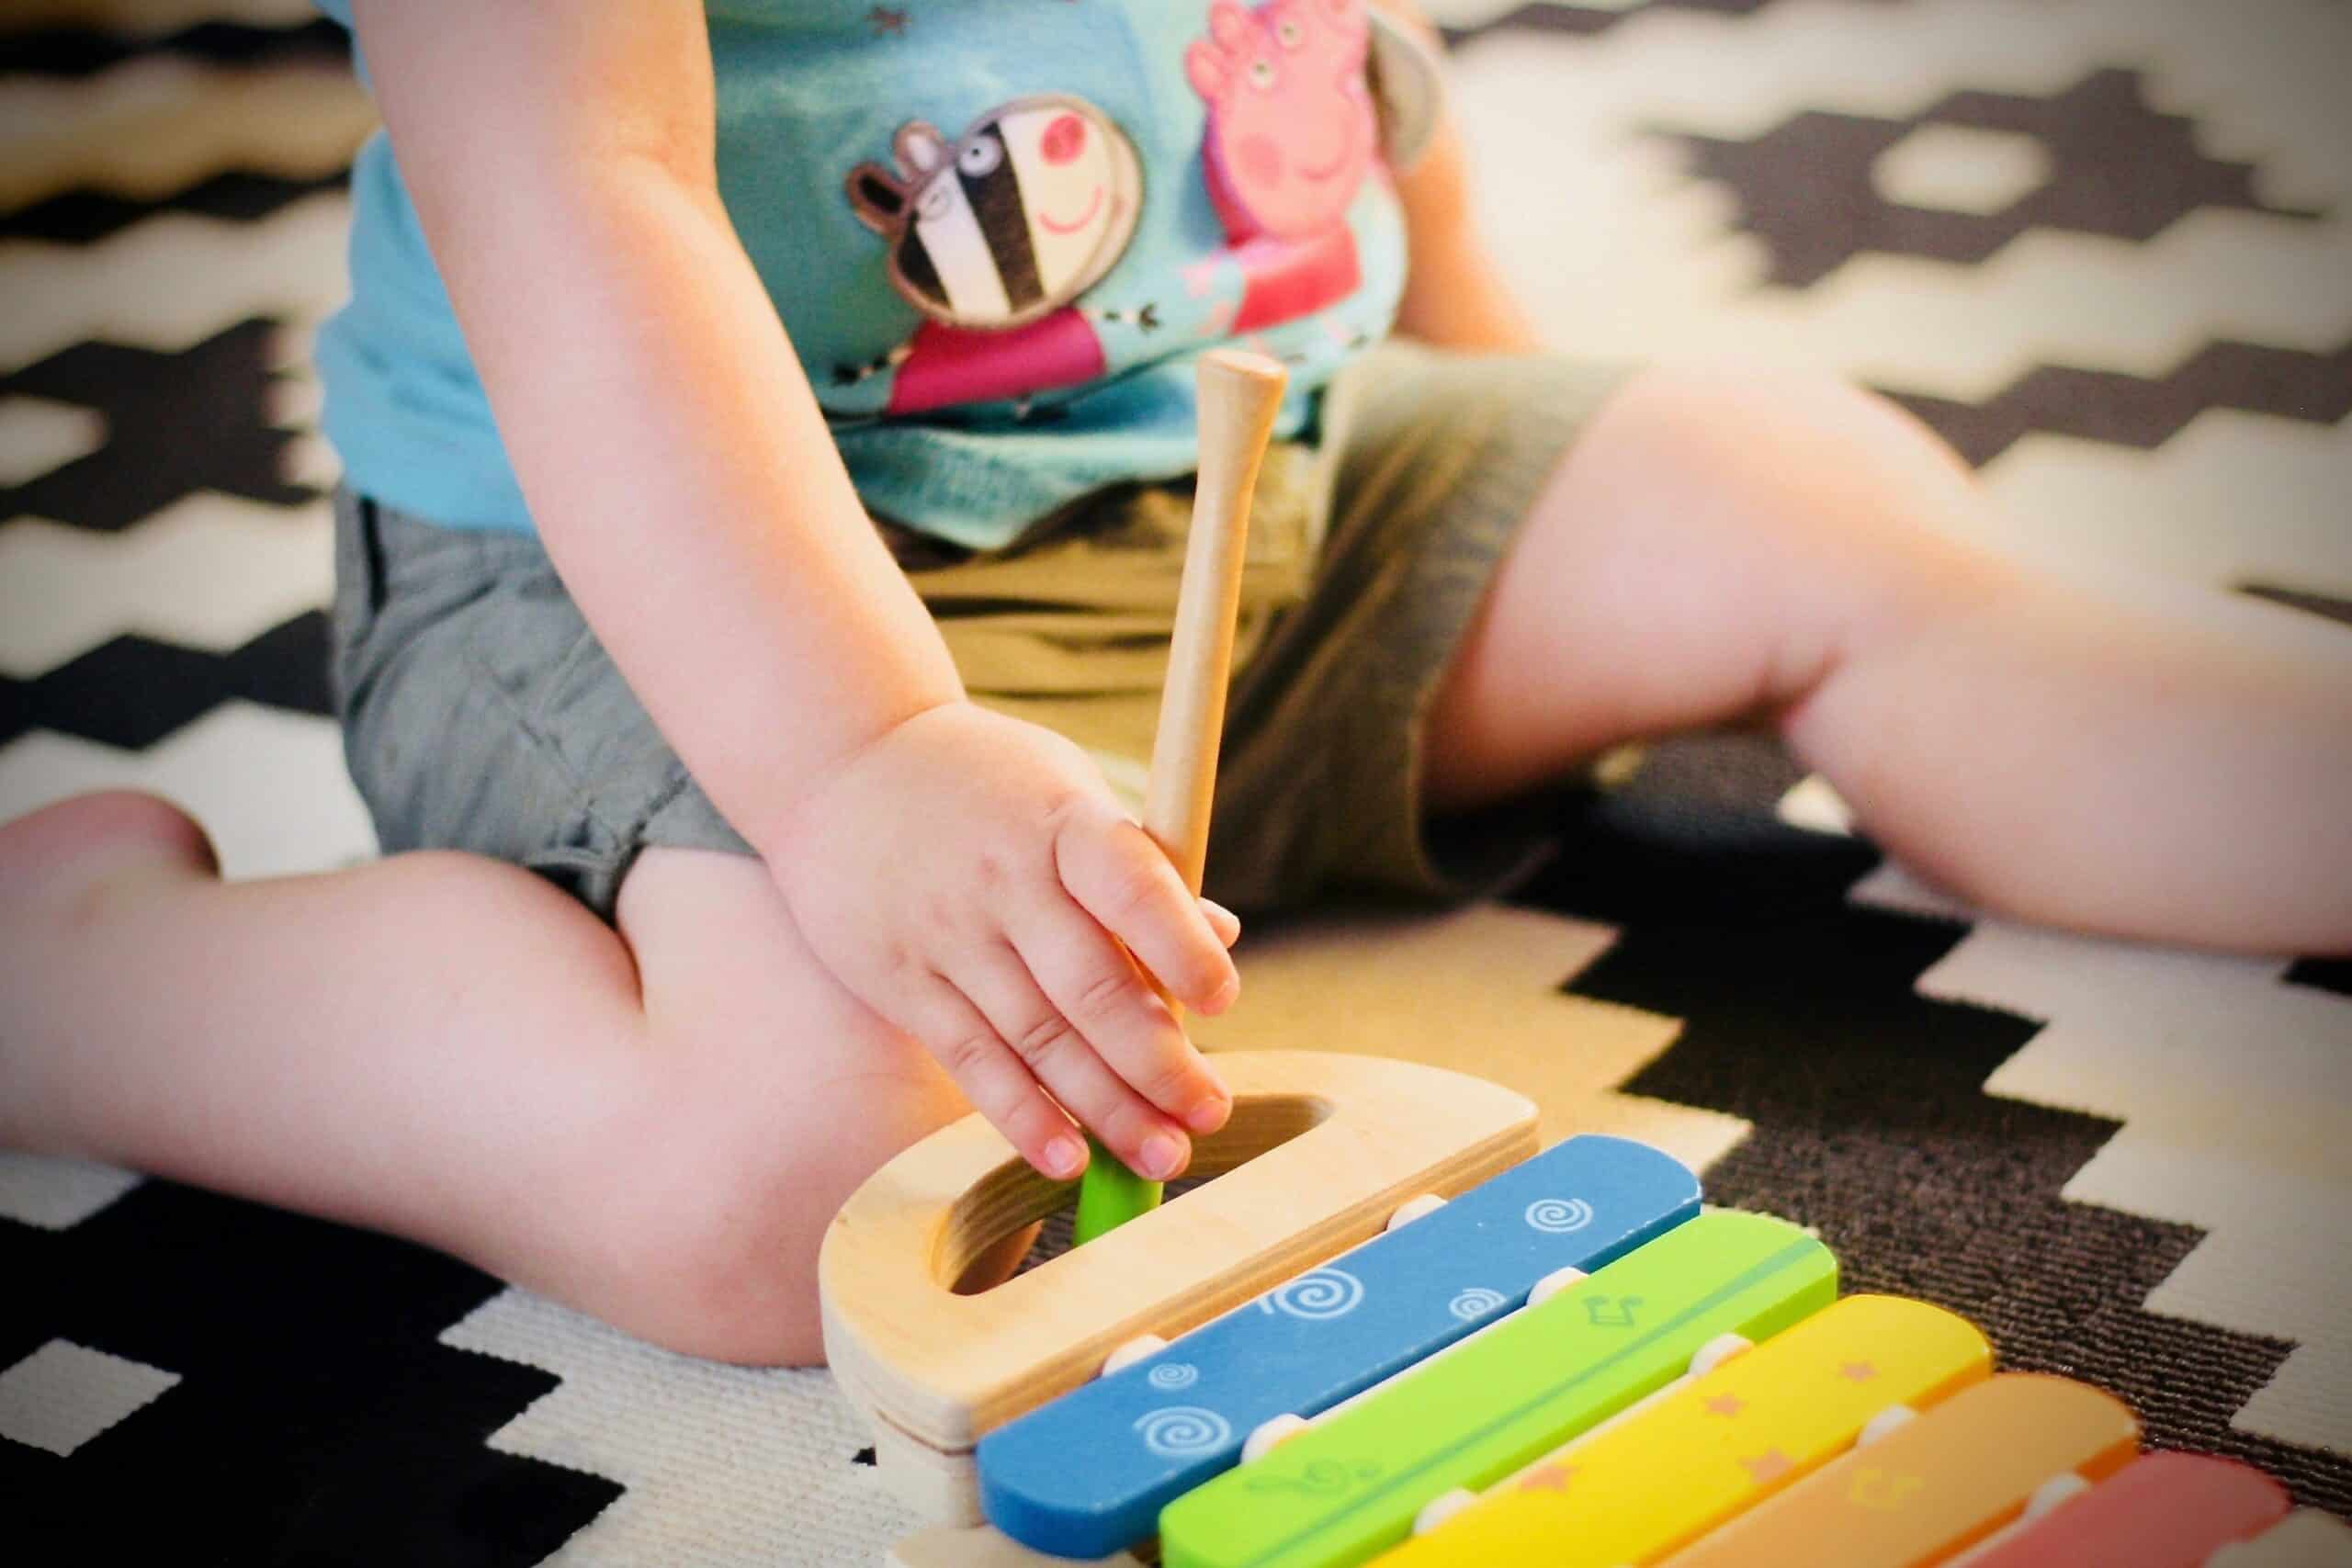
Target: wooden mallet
<point x="1241" y="394"/>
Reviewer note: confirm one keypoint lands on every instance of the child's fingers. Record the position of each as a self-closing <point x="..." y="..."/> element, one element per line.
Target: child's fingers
<point x="1092" y="981"/>
<point x="992" y="1077"/>
<point x="1053" y="1048"/>
<point x="1125" y="881"/>
<point x="1222" y="921"/>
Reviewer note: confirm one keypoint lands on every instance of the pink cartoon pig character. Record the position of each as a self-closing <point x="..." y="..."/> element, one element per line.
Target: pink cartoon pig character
<point x="1291" y="125"/>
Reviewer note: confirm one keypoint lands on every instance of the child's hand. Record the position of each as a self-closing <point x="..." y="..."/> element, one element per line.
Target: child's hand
<point x="970" y="878"/>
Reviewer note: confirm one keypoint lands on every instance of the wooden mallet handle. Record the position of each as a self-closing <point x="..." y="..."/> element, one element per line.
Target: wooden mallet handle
<point x="1241" y="394"/>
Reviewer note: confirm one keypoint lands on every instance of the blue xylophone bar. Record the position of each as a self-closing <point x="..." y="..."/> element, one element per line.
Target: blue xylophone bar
<point x="1088" y="1474"/>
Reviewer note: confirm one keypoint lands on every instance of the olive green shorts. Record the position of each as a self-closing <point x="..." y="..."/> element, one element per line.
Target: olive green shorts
<point x="481" y="713"/>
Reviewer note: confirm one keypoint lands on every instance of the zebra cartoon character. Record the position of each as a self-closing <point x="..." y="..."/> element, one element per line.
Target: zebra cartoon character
<point x="993" y="237"/>
<point x="1015" y="219"/>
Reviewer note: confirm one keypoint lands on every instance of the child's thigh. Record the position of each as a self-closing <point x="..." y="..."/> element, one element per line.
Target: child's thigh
<point x="771" y="1094"/>
<point x="726" y="975"/>
<point x="754" y="1030"/>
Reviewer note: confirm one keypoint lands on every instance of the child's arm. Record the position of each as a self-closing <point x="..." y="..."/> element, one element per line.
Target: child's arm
<point x="1455" y="296"/>
<point x="962" y="874"/>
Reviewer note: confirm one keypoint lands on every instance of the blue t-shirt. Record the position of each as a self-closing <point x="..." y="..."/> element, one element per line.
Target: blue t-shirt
<point x="998" y="231"/>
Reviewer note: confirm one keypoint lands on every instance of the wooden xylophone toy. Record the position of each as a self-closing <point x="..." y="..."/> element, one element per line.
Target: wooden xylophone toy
<point x="1316" y="1358"/>
<point x="1305" y="1362"/>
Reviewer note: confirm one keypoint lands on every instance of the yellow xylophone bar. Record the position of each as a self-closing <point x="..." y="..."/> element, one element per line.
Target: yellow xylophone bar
<point x="1352" y="1486"/>
<point x="1935" y="1484"/>
<point x="1634" y="1492"/>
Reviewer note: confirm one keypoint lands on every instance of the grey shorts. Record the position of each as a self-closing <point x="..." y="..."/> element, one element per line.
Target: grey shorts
<point x="481" y="713"/>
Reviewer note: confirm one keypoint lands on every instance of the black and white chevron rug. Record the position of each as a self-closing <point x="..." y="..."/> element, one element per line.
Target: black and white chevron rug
<point x="2104" y="245"/>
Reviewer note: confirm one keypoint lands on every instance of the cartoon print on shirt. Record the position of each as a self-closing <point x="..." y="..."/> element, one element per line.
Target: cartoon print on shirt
<point x="996" y="236"/>
<point x="1021" y="215"/>
<point x="993" y="237"/>
<point x="1290" y="128"/>
<point x="1292" y="133"/>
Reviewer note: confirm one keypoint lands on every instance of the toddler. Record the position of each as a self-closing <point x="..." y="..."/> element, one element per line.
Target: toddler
<point x="766" y="426"/>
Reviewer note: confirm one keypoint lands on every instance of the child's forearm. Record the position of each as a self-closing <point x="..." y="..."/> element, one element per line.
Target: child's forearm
<point x="691" y="493"/>
<point x="1455" y="295"/>
<point x="666" y="438"/>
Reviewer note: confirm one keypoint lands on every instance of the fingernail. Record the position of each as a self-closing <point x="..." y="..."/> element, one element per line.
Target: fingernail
<point x="1220" y="917"/>
<point x="1209" y="1113"/>
<point x="1161" y="1156"/>
<point x="1065" y="1158"/>
<point x="1228" y="991"/>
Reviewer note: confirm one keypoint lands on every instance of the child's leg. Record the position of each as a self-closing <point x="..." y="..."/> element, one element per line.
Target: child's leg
<point x="654" y="1125"/>
<point x="1719" y="544"/>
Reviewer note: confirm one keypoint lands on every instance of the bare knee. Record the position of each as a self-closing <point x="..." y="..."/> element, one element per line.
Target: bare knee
<point x="1778" y="420"/>
<point x="1814" y="447"/>
<point x="84" y="840"/>
<point x="1714" y="544"/>
<point x="1853" y="517"/>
